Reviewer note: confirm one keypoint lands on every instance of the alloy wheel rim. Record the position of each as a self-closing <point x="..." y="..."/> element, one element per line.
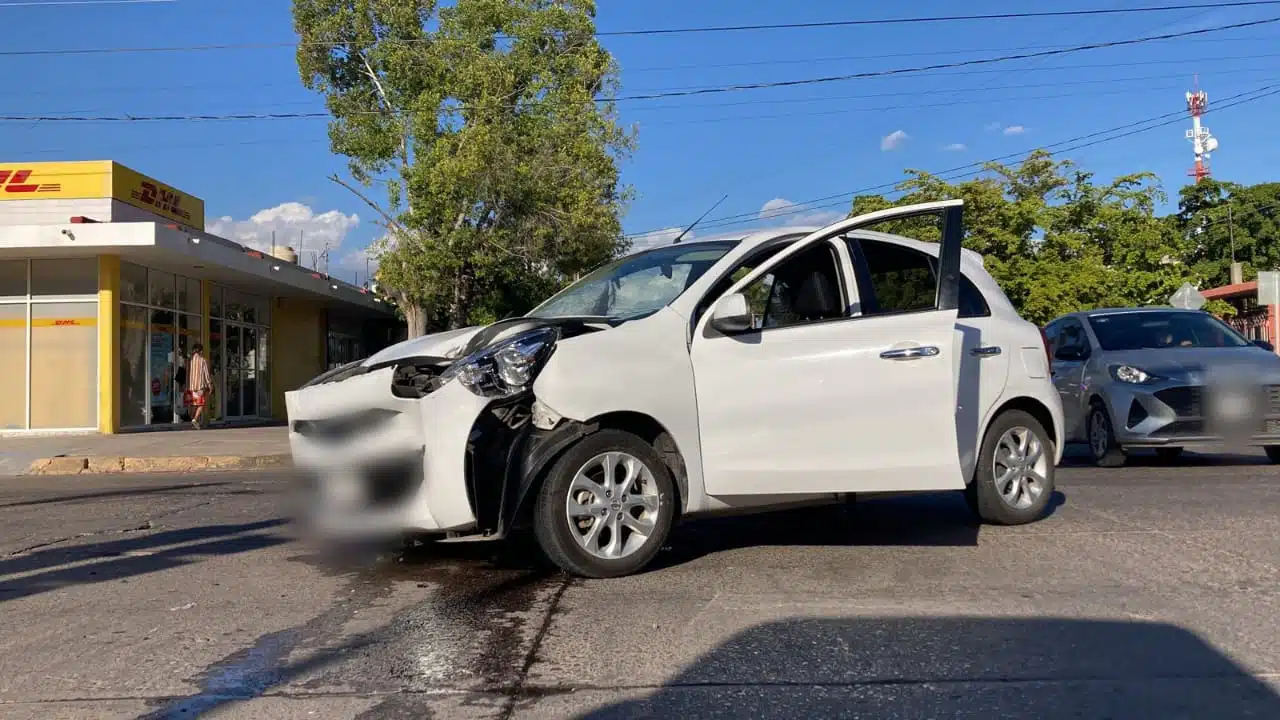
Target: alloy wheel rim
<point x="1098" y="433"/>
<point x="1020" y="467"/>
<point x="612" y="505"/>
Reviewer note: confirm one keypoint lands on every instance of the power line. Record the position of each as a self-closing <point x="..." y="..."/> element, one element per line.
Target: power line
<point x="937" y="19"/>
<point x="657" y="95"/>
<point x="889" y="56"/>
<point x="659" y="31"/>
<point x="945" y="66"/>
<point x="1086" y="140"/>
<point x="60" y="3"/>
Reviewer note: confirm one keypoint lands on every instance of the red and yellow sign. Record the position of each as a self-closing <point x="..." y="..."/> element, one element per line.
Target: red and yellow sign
<point x="99" y="179"/>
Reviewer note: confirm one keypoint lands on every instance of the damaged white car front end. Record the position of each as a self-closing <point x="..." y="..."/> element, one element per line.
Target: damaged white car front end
<point x="390" y="443"/>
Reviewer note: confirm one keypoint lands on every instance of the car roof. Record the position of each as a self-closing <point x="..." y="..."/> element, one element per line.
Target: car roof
<point x="749" y="240"/>
<point x="1130" y="311"/>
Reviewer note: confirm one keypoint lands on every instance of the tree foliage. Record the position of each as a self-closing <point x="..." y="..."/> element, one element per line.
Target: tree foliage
<point x="1057" y="239"/>
<point x="483" y="134"/>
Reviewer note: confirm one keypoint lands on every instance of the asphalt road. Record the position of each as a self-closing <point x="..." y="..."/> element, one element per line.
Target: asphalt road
<point x="1151" y="591"/>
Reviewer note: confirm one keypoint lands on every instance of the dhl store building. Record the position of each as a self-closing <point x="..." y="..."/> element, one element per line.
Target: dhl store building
<point x="107" y="282"/>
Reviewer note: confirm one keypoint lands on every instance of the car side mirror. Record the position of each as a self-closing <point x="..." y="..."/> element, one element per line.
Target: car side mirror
<point x="731" y="314"/>
<point x="1070" y="353"/>
<point x="1265" y="345"/>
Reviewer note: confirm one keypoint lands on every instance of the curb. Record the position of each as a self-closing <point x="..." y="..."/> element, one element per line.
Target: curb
<point x="102" y="465"/>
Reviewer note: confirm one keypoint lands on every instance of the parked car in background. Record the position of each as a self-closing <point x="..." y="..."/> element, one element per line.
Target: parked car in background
<point x="784" y="366"/>
<point x="1162" y="378"/>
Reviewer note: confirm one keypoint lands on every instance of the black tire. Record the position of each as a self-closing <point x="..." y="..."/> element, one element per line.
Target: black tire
<point x="1168" y="454"/>
<point x="1110" y="455"/>
<point x="551" y="526"/>
<point x="1273" y="453"/>
<point x="984" y="496"/>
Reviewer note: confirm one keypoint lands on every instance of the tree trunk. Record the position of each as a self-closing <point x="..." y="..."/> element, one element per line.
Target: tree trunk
<point x="415" y="316"/>
<point x="460" y="304"/>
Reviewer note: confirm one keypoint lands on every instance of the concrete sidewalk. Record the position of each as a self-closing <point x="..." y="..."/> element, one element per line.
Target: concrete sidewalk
<point x="161" y="451"/>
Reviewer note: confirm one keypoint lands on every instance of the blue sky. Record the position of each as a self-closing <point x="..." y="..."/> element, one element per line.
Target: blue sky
<point x="763" y="148"/>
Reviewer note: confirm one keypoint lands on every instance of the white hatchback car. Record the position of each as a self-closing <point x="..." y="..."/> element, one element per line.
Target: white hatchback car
<point x="789" y="366"/>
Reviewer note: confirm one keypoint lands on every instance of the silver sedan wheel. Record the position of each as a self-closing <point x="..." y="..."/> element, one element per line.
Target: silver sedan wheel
<point x="1098" y="433"/>
<point x="612" y="506"/>
<point x="1020" y="467"/>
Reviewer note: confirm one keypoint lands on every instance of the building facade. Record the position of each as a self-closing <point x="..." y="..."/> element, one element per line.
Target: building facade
<point x="1253" y="320"/>
<point x="107" y="282"/>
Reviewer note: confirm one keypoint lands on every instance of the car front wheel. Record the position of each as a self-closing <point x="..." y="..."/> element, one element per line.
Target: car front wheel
<point x="1013" y="481"/>
<point x="1273" y="453"/>
<point x="1103" y="447"/>
<point x="606" y="506"/>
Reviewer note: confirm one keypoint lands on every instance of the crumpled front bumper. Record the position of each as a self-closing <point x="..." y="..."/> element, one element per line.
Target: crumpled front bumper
<point x="381" y="463"/>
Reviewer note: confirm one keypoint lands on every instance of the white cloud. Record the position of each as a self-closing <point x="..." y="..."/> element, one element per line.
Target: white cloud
<point x="656" y="238"/>
<point x="956" y="147"/>
<point x="993" y="126"/>
<point x="790" y="213"/>
<point x="893" y="140"/>
<point x="295" y="225"/>
<point x="1014" y="130"/>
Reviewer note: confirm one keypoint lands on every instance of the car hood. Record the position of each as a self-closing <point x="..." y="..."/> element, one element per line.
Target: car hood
<point x="1198" y="364"/>
<point x="448" y="344"/>
<point x="455" y="344"/>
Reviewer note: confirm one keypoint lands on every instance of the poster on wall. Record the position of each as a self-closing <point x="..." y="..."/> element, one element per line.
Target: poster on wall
<point x="161" y="382"/>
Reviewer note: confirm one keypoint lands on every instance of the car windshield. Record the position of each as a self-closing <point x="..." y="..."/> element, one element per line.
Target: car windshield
<point x="636" y="285"/>
<point x="1143" y="330"/>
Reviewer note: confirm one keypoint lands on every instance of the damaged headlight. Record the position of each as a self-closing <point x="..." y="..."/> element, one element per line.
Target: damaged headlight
<point x="505" y="369"/>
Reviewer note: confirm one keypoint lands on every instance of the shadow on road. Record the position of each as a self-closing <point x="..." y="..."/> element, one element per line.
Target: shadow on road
<point x="924" y="520"/>
<point x="137" y="554"/>
<point x="959" y="667"/>
<point x="1077" y="456"/>
<point x="130" y="492"/>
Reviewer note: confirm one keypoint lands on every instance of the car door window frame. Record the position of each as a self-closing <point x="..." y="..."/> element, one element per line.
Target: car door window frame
<point x="1068" y="325"/>
<point x="866" y="287"/>
<point x="761" y="256"/>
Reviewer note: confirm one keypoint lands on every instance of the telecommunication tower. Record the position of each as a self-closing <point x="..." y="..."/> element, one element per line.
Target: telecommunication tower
<point x="1202" y="141"/>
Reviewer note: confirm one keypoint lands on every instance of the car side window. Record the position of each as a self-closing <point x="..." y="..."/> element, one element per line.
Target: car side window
<point x="803" y="289"/>
<point x="902" y="280"/>
<point x="1071" y="337"/>
<point x="906" y="280"/>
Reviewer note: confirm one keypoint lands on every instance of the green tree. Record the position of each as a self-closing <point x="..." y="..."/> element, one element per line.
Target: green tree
<point x="483" y="134"/>
<point x="1055" y="240"/>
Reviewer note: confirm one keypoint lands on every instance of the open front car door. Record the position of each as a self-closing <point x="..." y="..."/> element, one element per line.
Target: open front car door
<point x="800" y="392"/>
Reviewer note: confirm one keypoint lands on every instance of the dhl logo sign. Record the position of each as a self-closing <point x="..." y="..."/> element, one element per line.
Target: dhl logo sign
<point x="17" y="182"/>
<point x="99" y="179"/>
<point x="50" y="322"/>
<point x="167" y="202"/>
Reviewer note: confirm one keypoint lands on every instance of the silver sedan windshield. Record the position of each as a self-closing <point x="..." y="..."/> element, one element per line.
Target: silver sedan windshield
<point x="1161" y="329"/>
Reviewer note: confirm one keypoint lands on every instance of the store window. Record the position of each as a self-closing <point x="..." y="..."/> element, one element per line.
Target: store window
<point x="13" y="364"/>
<point x="239" y="348"/>
<point x="64" y="276"/>
<point x="64" y="365"/>
<point x="49" y="344"/>
<point x="161" y="323"/>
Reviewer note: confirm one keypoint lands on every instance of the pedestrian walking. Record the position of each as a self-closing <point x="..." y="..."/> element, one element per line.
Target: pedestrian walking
<point x="199" y="382"/>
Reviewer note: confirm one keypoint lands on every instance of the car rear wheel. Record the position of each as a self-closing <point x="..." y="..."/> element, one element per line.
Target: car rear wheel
<point x="606" y="506"/>
<point x="1273" y="453"/>
<point x="1013" y="482"/>
<point x="1103" y="447"/>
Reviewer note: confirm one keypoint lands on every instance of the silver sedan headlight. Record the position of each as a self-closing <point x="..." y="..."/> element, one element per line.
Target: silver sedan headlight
<point x="1130" y="374"/>
<point x="505" y="369"/>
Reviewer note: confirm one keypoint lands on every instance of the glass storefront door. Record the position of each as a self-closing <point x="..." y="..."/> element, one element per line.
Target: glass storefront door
<point x="245" y="361"/>
<point x="235" y="372"/>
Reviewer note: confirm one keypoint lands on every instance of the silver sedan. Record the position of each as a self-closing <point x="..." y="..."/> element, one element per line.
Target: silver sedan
<point x="1164" y="378"/>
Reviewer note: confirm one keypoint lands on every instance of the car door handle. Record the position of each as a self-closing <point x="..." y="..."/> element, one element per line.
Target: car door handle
<point x="910" y="353"/>
<point x="987" y="351"/>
